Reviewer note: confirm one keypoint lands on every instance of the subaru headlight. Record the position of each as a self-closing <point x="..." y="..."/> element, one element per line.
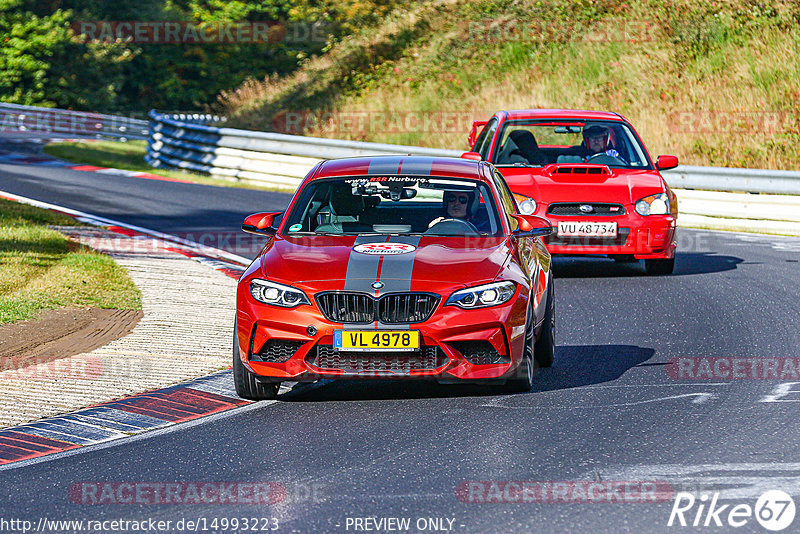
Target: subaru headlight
<point x="277" y="294"/>
<point x="653" y="205"/>
<point x="527" y="206"/>
<point x="482" y="296"/>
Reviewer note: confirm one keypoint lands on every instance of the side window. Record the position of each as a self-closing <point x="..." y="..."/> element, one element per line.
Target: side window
<point x="485" y="139"/>
<point x="509" y="204"/>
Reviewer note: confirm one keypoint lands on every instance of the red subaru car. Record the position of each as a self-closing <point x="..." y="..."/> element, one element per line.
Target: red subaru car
<point x="589" y="173"/>
<point x="396" y="267"/>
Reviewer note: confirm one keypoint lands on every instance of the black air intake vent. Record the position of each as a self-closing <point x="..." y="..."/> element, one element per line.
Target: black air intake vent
<point x="394" y="308"/>
<point x="328" y="358"/>
<point x="574" y="208"/>
<point x="277" y="350"/>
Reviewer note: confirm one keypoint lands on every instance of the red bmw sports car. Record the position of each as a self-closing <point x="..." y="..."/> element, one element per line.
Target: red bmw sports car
<point x="396" y="267"/>
<point x="589" y="173"/>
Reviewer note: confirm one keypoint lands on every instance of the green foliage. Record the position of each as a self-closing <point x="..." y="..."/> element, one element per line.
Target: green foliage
<point x="40" y="62"/>
<point x="646" y="59"/>
<point x="43" y="62"/>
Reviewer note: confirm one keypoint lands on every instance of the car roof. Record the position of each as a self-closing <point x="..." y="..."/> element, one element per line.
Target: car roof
<point x="516" y="114"/>
<point x="401" y="165"/>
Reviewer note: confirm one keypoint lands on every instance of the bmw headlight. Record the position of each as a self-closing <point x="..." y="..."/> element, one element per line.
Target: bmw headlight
<point x="277" y="294"/>
<point x="653" y="205"/>
<point x="482" y="296"/>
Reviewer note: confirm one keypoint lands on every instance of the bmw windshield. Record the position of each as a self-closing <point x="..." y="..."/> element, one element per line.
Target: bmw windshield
<point x="395" y="205"/>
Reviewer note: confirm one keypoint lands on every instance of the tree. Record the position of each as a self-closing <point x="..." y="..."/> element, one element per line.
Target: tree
<point x="43" y="63"/>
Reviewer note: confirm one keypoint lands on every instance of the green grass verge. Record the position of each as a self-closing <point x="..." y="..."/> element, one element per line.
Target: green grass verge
<point x="41" y="269"/>
<point x="129" y="156"/>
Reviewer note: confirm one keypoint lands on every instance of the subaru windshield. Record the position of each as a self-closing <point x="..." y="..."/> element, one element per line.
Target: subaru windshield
<point x="539" y="143"/>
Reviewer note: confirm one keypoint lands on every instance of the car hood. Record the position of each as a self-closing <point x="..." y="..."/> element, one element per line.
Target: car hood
<point x="330" y="263"/>
<point x="622" y="185"/>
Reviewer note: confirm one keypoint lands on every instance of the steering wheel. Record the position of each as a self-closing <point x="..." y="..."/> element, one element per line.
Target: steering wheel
<point x="602" y="158"/>
<point x="453" y="227"/>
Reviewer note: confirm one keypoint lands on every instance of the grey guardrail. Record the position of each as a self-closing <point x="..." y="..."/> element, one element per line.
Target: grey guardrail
<point x="276" y="159"/>
<point x="296" y="145"/>
<point x="184" y="141"/>
<point x="16" y="118"/>
<point x="730" y="179"/>
<point x="709" y="197"/>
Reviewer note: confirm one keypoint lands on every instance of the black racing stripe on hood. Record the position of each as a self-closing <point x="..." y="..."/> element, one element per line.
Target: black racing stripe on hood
<point x="362" y="269"/>
<point x="396" y="274"/>
<point x="397" y="270"/>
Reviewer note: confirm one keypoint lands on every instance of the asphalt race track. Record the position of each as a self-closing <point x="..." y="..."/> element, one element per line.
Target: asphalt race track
<point x="609" y="410"/>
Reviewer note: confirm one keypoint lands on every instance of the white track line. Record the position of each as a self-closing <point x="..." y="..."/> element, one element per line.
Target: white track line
<point x="97" y="220"/>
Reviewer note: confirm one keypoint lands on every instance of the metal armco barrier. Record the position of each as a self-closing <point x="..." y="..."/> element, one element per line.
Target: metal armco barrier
<point x="275" y="159"/>
<point x="744" y="212"/>
<point x="729" y="179"/>
<point x="31" y="119"/>
<point x="709" y="197"/>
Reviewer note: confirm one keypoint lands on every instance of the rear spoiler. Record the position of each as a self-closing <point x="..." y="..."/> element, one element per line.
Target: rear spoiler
<point x="473" y="134"/>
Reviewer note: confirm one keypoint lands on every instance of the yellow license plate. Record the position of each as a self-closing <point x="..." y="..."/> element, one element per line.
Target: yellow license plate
<point x="394" y="340"/>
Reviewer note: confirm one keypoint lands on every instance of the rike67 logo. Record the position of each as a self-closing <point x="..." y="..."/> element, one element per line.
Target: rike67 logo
<point x="774" y="510"/>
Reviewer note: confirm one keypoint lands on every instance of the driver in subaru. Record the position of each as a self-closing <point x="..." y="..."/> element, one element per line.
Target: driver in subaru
<point x="596" y="141"/>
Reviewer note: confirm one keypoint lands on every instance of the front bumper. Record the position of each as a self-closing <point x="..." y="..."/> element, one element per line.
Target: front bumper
<point x="458" y="344"/>
<point x="651" y="237"/>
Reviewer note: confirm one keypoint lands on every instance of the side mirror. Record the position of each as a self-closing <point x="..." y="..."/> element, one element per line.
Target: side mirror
<point x="471" y="155"/>
<point x="664" y="163"/>
<point x="532" y="226"/>
<point x="260" y="223"/>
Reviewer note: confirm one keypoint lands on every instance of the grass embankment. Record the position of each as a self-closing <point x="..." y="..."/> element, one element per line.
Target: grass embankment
<point x="40" y="269"/>
<point x="714" y="83"/>
<point x="129" y="156"/>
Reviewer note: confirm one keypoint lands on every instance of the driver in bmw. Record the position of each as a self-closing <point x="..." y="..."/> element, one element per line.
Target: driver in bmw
<point x="459" y="205"/>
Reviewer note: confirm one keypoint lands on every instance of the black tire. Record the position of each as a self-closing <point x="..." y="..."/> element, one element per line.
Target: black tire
<point x="659" y="267"/>
<point x="544" y="351"/>
<point x="247" y="385"/>
<point x="522" y="381"/>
